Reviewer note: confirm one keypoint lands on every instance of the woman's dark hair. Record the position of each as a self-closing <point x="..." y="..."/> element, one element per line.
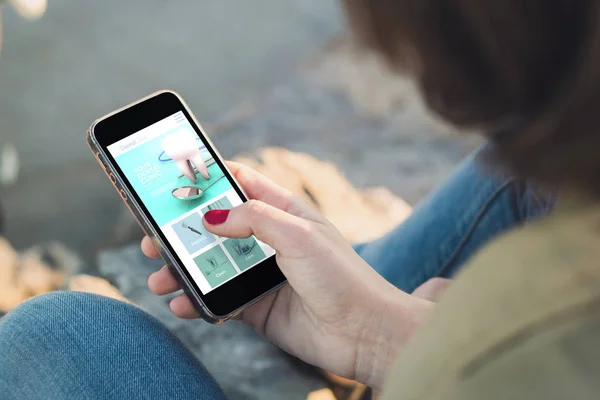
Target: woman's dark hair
<point x="526" y="72"/>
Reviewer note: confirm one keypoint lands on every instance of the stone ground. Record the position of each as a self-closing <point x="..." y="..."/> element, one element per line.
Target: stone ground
<point x="277" y="76"/>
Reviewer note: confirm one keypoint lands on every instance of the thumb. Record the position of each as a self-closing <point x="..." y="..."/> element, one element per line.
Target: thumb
<point x="282" y="231"/>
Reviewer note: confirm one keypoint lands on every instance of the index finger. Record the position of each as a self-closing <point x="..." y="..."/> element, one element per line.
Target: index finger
<point x="259" y="187"/>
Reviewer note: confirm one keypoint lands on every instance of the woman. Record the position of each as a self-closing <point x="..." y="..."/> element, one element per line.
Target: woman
<point x="521" y="321"/>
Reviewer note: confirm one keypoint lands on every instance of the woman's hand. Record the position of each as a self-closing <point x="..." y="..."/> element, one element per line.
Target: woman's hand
<point x="336" y="313"/>
<point x="433" y="289"/>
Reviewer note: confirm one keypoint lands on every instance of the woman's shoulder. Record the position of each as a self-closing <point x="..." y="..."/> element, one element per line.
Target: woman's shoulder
<point x="530" y="284"/>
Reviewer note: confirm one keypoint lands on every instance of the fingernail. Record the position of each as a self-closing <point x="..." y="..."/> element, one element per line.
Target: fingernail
<point x="216" y="217"/>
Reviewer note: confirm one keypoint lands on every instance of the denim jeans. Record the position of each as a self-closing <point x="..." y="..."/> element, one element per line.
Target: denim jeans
<point x="472" y="207"/>
<point x="80" y="346"/>
<point x="69" y="345"/>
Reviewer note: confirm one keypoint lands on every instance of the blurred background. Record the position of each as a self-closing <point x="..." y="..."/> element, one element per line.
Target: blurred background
<point x="83" y="59"/>
<point x="257" y="73"/>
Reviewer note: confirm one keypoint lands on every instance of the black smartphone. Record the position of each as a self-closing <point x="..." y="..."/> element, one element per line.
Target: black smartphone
<point x="169" y="174"/>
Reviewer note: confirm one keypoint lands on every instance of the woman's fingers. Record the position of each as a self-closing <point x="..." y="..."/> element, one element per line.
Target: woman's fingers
<point x="273" y="215"/>
<point x="163" y="282"/>
<point x="182" y="307"/>
<point x="284" y="232"/>
<point x="148" y="248"/>
<point x="259" y="187"/>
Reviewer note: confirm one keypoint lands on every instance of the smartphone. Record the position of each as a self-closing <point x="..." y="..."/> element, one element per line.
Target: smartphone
<point x="169" y="174"/>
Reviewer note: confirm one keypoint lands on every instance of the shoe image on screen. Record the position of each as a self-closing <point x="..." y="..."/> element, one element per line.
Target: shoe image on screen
<point x="192" y="234"/>
<point x="222" y="204"/>
<point x="245" y="252"/>
<point x="215" y="266"/>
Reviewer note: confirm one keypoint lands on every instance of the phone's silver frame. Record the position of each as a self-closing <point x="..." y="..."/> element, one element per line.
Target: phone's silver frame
<point x="145" y="223"/>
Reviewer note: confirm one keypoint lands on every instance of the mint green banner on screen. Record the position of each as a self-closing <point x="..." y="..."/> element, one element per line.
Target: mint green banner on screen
<point x="154" y="180"/>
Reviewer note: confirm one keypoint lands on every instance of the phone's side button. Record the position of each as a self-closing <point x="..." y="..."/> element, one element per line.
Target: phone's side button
<point x="113" y="178"/>
<point x="123" y="194"/>
<point x="101" y="161"/>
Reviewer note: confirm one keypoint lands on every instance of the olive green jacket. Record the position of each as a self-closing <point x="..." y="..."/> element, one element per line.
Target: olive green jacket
<point x="522" y="321"/>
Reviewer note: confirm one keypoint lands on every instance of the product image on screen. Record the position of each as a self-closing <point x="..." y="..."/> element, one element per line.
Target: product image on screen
<point x="178" y="181"/>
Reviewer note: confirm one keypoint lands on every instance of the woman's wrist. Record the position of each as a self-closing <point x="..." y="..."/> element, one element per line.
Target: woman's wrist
<point x="399" y="316"/>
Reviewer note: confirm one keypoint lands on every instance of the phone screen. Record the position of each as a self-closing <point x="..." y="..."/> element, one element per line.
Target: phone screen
<point x="178" y="181"/>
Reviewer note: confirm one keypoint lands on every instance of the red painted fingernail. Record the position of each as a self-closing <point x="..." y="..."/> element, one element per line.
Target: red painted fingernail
<point x="216" y="217"/>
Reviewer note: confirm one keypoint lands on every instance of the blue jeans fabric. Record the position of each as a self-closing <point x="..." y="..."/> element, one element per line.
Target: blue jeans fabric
<point x="82" y="346"/>
<point x="69" y="345"/>
<point x="450" y="225"/>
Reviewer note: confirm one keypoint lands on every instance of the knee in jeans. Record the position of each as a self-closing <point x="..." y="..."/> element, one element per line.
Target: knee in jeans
<point x="57" y="309"/>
